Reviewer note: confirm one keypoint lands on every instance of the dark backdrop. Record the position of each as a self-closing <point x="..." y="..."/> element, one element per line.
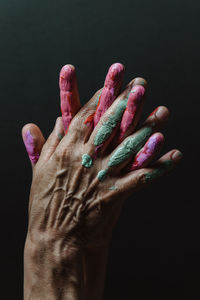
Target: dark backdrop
<point x="155" y="252"/>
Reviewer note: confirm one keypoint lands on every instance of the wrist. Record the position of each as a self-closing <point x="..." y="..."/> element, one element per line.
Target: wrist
<point x="51" y="272"/>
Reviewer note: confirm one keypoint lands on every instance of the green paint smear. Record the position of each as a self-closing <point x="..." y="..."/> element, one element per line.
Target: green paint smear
<point x="107" y="128"/>
<point x="87" y="160"/>
<point x="112" y="188"/>
<point x="102" y="174"/>
<point x="142" y="82"/>
<point x="60" y="136"/>
<point x="97" y="99"/>
<point x="131" y="146"/>
<point x="157" y="172"/>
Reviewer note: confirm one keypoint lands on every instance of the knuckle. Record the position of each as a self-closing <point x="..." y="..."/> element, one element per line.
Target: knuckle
<point x="141" y="178"/>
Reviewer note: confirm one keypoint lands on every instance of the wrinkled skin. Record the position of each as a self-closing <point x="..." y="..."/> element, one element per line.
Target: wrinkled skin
<point x="70" y="209"/>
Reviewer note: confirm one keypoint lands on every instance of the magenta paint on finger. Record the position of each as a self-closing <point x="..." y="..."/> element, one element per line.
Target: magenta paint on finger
<point x="112" y="86"/>
<point x="68" y="94"/>
<point x="31" y="148"/>
<point x="133" y="104"/>
<point x="152" y="146"/>
<point x="66" y="100"/>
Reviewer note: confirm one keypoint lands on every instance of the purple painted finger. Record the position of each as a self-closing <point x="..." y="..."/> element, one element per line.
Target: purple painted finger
<point x="148" y="152"/>
<point x="110" y="91"/>
<point x="69" y="96"/>
<point x="132" y="112"/>
<point x="31" y="147"/>
<point x="33" y="141"/>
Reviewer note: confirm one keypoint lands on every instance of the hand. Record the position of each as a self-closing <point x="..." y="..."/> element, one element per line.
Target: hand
<point x="79" y="183"/>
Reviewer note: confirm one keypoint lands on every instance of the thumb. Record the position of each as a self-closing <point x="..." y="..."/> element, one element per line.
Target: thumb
<point x="33" y="140"/>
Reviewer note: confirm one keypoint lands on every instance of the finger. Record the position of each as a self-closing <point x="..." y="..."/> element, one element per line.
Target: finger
<point x="148" y="153"/>
<point x="33" y="141"/>
<point x="162" y="166"/>
<point x="110" y="91"/>
<point x="112" y="87"/>
<point x="52" y="141"/>
<point x="158" y="117"/>
<point x="69" y="95"/>
<point x="138" y="179"/>
<point x="139" y="81"/>
<point x="132" y="112"/>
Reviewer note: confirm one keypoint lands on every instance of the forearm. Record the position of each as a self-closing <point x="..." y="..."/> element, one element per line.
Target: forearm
<point x="48" y="275"/>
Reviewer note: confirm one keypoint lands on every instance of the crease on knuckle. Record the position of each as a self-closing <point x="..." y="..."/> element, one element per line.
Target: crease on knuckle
<point x="141" y="178"/>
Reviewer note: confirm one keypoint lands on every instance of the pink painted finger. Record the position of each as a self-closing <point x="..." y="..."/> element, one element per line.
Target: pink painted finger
<point x="148" y="152"/>
<point x="110" y="91"/>
<point x="69" y="95"/>
<point x="33" y="141"/>
<point x="132" y="112"/>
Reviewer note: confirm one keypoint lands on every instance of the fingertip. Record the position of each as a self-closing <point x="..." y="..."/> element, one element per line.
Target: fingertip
<point x="33" y="141"/>
<point x="176" y="155"/>
<point x="115" y="75"/>
<point x="159" y="136"/>
<point x="58" y="120"/>
<point x="138" y="89"/>
<point x="162" y="113"/>
<point x="30" y="127"/>
<point x="67" y="77"/>
<point x="59" y="128"/>
<point x="117" y="67"/>
<point x="139" y="81"/>
<point x="66" y="70"/>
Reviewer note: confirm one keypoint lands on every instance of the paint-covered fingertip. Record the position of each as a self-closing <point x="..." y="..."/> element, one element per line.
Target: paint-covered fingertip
<point x="67" y="77"/>
<point x="66" y="69"/>
<point x="31" y="127"/>
<point x="30" y="142"/>
<point x="158" y="136"/>
<point x="138" y="90"/>
<point x="155" y="143"/>
<point x="115" y="74"/>
<point x="117" y="67"/>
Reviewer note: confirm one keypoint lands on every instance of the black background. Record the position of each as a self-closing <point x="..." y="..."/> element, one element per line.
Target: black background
<point x="155" y="252"/>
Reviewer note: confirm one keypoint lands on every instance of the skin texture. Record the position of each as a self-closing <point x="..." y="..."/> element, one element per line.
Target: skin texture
<point x="71" y="212"/>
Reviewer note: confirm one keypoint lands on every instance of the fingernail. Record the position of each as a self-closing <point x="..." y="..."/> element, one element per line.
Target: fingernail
<point x="140" y="81"/>
<point x="162" y="113"/>
<point x="177" y="155"/>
